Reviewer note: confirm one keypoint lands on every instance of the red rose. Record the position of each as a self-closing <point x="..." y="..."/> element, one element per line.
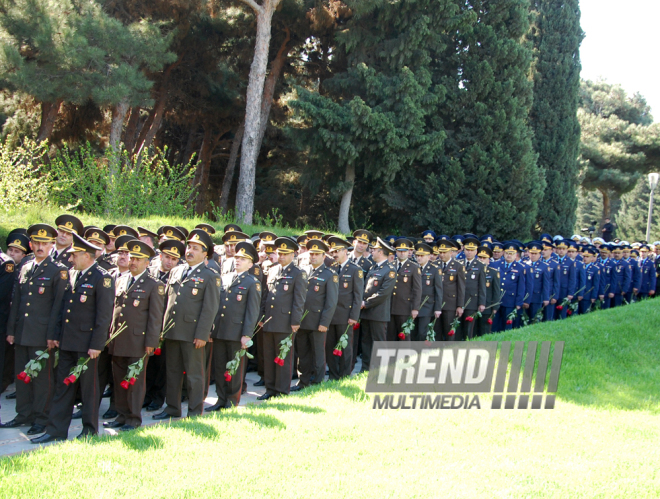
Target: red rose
<point x="279" y="362"/>
<point x="336" y="352"/>
<point x="124" y="385"/>
<point x="67" y="381"/>
<point x="27" y="379"/>
<point x="132" y="381"/>
<point x="356" y="325"/>
<point x="560" y="307"/>
<point x="73" y="378"/>
<point x="157" y="351"/>
<point x="469" y="318"/>
<point x="569" y="312"/>
<point x="490" y="322"/>
<point x="451" y="333"/>
<point x="509" y="322"/>
<point x="227" y="376"/>
<point x="22" y="375"/>
<point x="402" y="336"/>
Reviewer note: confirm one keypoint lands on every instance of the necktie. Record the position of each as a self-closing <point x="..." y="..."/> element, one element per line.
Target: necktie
<point x="131" y="281"/>
<point x="75" y="282"/>
<point x="186" y="274"/>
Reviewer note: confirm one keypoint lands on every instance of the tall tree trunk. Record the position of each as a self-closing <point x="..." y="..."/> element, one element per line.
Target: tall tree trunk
<point x="130" y="134"/>
<point x="202" y="175"/>
<point x="118" y="116"/>
<point x="245" y="191"/>
<point x="231" y="167"/>
<point x="606" y="204"/>
<point x="49" y="112"/>
<point x="345" y="205"/>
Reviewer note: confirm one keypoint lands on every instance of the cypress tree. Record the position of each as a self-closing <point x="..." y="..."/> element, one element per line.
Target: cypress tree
<point x="556" y="36"/>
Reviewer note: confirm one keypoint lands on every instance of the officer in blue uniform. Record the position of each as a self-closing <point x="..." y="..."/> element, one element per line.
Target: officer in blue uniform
<point x="540" y="280"/>
<point x="592" y="274"/>
<point x="620" y="276"/>
<point x="498" y="255"/>
<point x="573" y="253"/>
<point x="547" y="253"/>
<point x="647" y="270"/>
<point x="605" y="264"/>
<point x="567" y="278"/>
<point x="635" y="273"/>
<point x="512" y="284"/>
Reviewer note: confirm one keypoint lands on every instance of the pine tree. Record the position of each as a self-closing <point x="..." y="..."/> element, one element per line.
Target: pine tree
<point x="556" y="35"/>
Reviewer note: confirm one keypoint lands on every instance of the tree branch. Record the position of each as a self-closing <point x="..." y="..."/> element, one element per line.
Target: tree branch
<point x="255" y="6"/>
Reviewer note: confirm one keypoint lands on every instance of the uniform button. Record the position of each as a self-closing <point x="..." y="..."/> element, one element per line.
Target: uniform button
<point x="270" y="307"/>
<point x="394" y="294"/>
<point x="123" y="304"/>
<point x="175" y="303"/>
<point x="70" y="301"/>
<point x="224" y="306"/>
<point x="226" y="299"/>
<point x="30" y="294"/>
<point x="27" y="314"/>
<point x="68" y="311"/>
<point x="222" y="315"/>
<point x="174" y="311"/>
<point x="178" y="294"/>
<point x="28" y="304"/>
<point x="273" y="297"/>
<point x="121" y="315"/>
<point x="66" y="320"/>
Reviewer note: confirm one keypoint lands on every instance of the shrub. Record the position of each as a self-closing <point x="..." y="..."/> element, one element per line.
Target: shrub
<point x="22" y="181"/>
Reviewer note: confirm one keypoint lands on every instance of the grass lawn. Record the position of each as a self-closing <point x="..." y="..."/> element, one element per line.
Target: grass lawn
<point x="601" y="440"/>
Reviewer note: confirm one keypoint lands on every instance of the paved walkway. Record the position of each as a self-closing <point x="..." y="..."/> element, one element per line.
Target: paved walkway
<point x="15" y="440"/>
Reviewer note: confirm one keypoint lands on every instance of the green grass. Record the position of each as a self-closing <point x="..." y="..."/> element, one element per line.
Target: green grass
<point x="601" y="440"/>
<point x="46" y="214"/>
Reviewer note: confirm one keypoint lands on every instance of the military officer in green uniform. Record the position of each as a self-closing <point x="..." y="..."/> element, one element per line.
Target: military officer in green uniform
<point x="484" y="323"/>
<point x="320" y="302"/>
<point x="453" y="286"/>
<point x="192" y="301"/>
<point x="431" y="288"/>
<point x="34" y="320"/>
<point x="475" y="287"/>
<point x="67" y="225"/>
<point x="87" y="313"/>
<point x="139" y="303"/>
<point x="282" y="307"/>
<point x="377" y="300"/>
<point x="407" y="294"/>
<point x="240" y="303"/>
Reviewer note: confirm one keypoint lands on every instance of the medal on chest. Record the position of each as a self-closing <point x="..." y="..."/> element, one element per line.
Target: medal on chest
<point x="345" y="285"/>
<point x="451" y="277"/>
<point x="316" y="288"/>
<point x="136" y="303"/>
<point x="83" y="298"/>
<point x="239" y="297"/>
<point x="286" y="287"/>
<point x="428" y="282"/>
<point x="42" y="291"/>
<point x="405" y="278"/>
<point x="195" y="291"/>
<point x="375" y="282"/>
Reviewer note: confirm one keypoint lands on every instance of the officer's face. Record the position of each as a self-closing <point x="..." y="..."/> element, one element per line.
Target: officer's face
<point x="445" y="256"/>
<point x="138" y="265"/>
<point x="617" y="255"/>
<point x="168" y="262"/>
<point x="147" y="240"/>
<point x="643" y="253"/>
<point x="81" y="260"/>
<point x="562" y="251"/>
<point x="423" y="259"/>
<point x="484" y="259"/>
<point x="16" y="254"/>
<point x="535" y="257"/>
<point x="497" y="254"/>
<point x="41" y="250"/>
<point x="428" y="239"/>
<point x="546" y="252"/>
<point x="603" y="254"/>
<point x="360" y="247"/>
<point x="626" y="253"/>
<point x="401" y="255"/>
<point x="64" y="238"/>
<point x="242" y="264"/>
<point x="230" y="250"/>
<point x="110" y="247"/>
<point x="470" y="254"/>
<point x="510" y="256"/>
<point x="284" y="259"/>
<point x="316" y="259"/>
<point x="122" y="259"/>
<point x="571" y="252"/>
<point x="195" y="254"/>
<point x="378" y="255"/>
<point x="340" y="255"/>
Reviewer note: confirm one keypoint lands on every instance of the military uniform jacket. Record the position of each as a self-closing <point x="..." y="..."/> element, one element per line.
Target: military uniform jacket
<point x="378" y="289"/>
<point x="141" y="308"/>
<point x="567" y="278"/>
<point x="492" y="290"/>
<point x="407" y="294"/>
<point x="431" y="287"/>
<point x="605" y="273"/>
<point x="541" y="282"/>
<point x="453" y="285"/>
<point x="240" y="302"/>
<point x="592" y="272"/>
<point x="192" y="303"/>
<point x="554" y="267"/>
<point x="362" y="262"/>
<point x="36" y="312"/>
<point x="475" y="284"/>
<point x="87" y="310"/>
<point x="321" y="299"/>
<point x="351" y="289"/>
<point x="512" y="284"/>
<point x="228" y="266"/>
<point x="158" y="274"/>
<point x="581" y="278"/>
<point x="212" y="264"/>
<point x="620" y="276"/>
<point x="635" y="275"/>
<point x="647" y="270"/>
<point x="8" y="272"/>
<point x="62" y="257"/>
<point x="285" y="300"/>
<point x="106" y="262"/>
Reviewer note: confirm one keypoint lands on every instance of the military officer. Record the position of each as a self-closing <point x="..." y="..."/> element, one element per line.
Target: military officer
<point x="475" y="286"/>
<point x="547" y="258"/>
<point x="283" y="304"/>
<point x="66" y="225"/>
<point x="99" y="238"/>
<point x="453" y="286"/>
<point x="635" y="273"/>
<point x="512" y="287"/>
<point x="36" y="315"/>
<point x="192" y="301"/>
<point x="377" y="300"/>
<point x="605" y="264"/>
<point x="620" y="277"/>
<point x="407" y="294"/>
<point x="592" y="273"/>
<point x="573" y="254"/>
<point x="647" y="269"/>
<point x="268" y="246"/>
<point x="431" y="287"/>
<point x="360" y="255"/>
<point x="484" y="323"/>
<point x="230" y="240"/>
<point x="320" y="303"/>
<point x="541" y="277"/>
<point x="139" y="304"/>
<point x="87" y="313"/>
<point x="567" y="278"/>
<point x="240" y="301"/>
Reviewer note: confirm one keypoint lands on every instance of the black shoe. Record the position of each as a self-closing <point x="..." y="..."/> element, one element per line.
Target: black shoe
<point x="161" y="415"/>
<point x="112" y="424"/>
<point x="85" y="435"/>
<point x="265" y="396"/>
<point x="298" y="387"/>
<point x="35" y="429"/>
<point x="77" y="414"/>
<point x="154" y="407"/>
<point x="107" y="393"/>
<point x="46" y="438"/>
<point x="10" y="396"/>
<point x="214" y="407"/>
<point x="126" y="427"/>
<point x="110" y="413"/>
<point x="13" y="424"/>
<point x="261" y="382"/>
<point x="146" y="403"/>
